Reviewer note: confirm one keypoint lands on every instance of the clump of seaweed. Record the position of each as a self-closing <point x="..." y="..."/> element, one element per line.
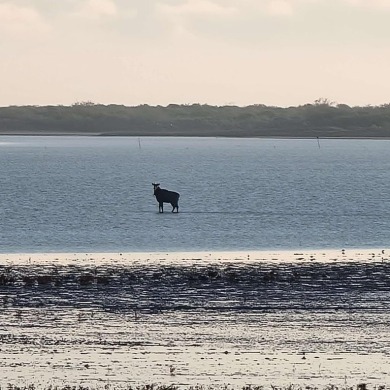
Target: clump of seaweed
<point x="158" y="287"/>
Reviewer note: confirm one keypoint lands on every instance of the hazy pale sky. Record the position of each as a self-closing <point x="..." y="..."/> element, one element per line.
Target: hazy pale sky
<point x="274" y="52"/>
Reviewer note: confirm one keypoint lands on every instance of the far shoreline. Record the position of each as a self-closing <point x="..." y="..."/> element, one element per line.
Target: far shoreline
<point x="319" y="119"/>
<point x="104" y="135"/>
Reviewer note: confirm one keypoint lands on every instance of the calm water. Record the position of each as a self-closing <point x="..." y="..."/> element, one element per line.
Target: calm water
<point x="215" y="322"/>
<point x="95" y="194"/>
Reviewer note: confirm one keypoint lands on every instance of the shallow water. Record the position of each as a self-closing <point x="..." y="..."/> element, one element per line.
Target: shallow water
<point x="95" y="194"/>
<point x="216" y="322"/>
<point x="265" y="321"/>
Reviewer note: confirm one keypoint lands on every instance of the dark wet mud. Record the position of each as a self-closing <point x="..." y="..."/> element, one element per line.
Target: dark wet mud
<point x="237" y="323"/>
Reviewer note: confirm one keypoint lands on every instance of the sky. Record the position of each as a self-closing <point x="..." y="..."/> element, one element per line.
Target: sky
<point x="219" y="52"/>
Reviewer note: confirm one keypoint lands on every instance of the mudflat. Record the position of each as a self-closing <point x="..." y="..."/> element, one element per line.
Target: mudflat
<point x="304" y="317"/>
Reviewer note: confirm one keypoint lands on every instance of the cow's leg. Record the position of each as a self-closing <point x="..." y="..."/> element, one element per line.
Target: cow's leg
<point x="161" y="207"/>
<point x="175" y="206"/>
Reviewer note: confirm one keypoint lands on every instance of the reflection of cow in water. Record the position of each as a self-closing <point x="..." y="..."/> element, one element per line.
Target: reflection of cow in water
<point x="165" y="196"/>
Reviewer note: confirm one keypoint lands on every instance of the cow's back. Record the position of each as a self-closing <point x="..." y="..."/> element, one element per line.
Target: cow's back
<point x="167" y="196"/>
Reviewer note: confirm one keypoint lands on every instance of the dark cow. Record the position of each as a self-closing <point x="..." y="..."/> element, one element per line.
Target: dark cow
<point x="165" y="196"/>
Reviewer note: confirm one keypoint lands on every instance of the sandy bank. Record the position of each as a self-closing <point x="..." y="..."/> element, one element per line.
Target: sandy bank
<point x="291" y="256"/>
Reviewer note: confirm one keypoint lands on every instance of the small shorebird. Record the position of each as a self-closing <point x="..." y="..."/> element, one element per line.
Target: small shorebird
<point x="172" y="370"/>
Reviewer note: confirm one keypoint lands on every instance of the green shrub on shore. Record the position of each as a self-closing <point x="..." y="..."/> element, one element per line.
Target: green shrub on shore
<point x="319" y="119"/>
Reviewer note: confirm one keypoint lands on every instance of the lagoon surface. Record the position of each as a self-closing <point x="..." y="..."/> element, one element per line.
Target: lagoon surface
<point x="63" y="194"/>
<point x="310" y="317"/>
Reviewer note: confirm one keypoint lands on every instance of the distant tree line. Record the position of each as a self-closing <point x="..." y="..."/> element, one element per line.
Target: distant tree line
<point x="320" y="119"/>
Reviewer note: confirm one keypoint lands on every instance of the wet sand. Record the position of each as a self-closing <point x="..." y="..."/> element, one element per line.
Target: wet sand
<point x="304" y="317"/>
<point x="291" y="256"/>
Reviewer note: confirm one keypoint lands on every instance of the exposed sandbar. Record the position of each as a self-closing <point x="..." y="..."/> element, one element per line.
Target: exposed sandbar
<point x="282" y="256"/>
